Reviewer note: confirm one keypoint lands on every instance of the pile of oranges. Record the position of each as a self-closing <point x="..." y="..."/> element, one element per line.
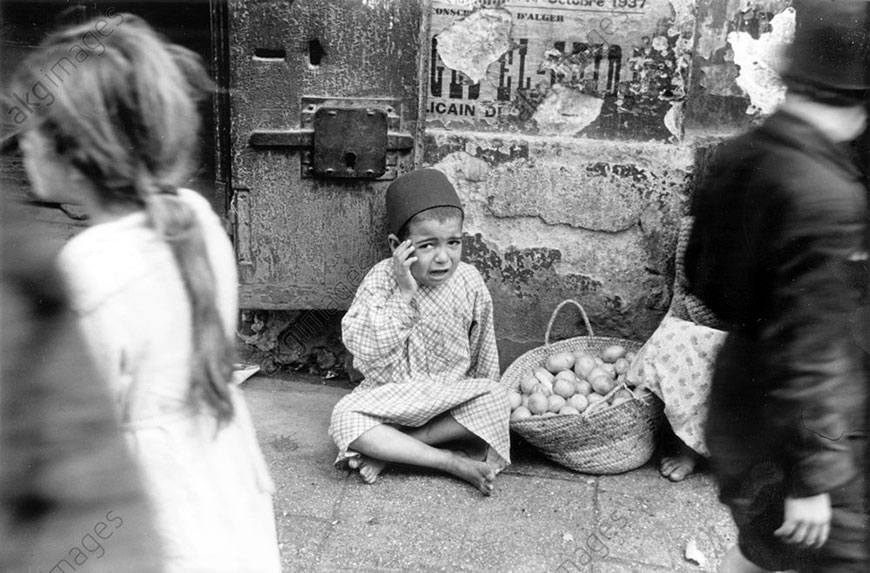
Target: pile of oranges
<point x="569" y="383"/>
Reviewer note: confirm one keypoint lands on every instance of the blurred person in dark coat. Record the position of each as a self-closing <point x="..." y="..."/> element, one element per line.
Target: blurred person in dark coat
<point x="70" y="496"/>
<point x="779" y="250"/>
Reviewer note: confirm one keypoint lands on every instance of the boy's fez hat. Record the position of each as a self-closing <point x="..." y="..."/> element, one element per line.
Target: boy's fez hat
<point x="418" y="191"/>
<point x="830" y="54"/>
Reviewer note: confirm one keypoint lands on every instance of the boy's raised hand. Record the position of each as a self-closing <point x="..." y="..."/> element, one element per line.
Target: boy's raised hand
<point x="807" y="521"/>
<point x="402" y="261"/>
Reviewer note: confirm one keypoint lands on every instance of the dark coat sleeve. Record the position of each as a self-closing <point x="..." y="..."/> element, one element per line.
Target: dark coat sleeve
<point x="810" y="365"/>
<point x="718" y="261"/>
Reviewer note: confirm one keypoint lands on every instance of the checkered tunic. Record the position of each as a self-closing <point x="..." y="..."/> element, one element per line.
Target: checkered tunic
<point x="433" y="355"/>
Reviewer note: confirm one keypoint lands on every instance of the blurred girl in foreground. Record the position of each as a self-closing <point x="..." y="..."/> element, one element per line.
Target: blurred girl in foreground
<point x="153" y="281"/>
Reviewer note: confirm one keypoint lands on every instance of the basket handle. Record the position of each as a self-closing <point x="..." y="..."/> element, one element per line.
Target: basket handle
<point x="556" y="312"/>
<point x="605" y="403"/>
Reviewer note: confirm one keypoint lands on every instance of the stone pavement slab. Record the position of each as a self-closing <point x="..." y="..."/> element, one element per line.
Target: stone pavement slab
<point x="542" y="517"/>
<point x="434" y="523"/>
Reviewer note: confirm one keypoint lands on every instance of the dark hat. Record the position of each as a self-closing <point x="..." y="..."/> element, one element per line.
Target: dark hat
<point x="831" y="48"/>
<point x="418" y="191"/>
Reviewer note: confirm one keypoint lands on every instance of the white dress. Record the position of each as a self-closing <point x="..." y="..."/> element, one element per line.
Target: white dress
<point x="209" y="486"/>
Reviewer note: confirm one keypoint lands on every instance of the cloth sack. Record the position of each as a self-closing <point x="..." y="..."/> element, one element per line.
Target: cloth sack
<point x="676" y="364"/>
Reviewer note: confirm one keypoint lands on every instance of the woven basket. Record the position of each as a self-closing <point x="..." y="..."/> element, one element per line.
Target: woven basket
<point x="603" y="439"/>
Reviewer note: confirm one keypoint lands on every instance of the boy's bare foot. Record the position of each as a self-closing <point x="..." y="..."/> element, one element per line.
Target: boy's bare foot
<point x="681" y="465"/>
<point x="371" y="468"/>
<point x="478" y="474"/>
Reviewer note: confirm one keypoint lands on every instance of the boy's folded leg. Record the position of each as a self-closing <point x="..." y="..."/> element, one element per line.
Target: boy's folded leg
<point x="479" y="452"/>
<point x="488" y="417"/>
<point x="479" y="405"/>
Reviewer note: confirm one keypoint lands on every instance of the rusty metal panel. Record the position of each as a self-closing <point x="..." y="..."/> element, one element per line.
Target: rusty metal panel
<point x="604" y="69"/>
<point x="299" y="236"/>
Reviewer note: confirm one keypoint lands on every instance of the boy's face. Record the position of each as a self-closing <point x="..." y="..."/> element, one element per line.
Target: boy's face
<point x="438" y="248"/>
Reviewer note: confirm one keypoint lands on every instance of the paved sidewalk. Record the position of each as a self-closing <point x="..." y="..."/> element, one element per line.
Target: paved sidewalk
<point x="540" y="518"/>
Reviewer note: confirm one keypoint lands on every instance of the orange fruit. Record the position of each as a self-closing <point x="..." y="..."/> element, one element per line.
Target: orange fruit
<point x="598" y="371"/>
<point x="578" y="402"/>
<point x="566" y="375"/>
<point x="555" y="403"/>
<point x="528" y="385"/>
<point x="610" y="369"/>
<point x="564" y="388"/>
<point x="538" y="403"/>
<point x="582" y="387"/>
<point x="613" y="353"/>
<point x="559" y="361"/>
<point x="583" y="365"/>
<point x="602" y="384"/>
<point x="621" y="366"/>
<point x="520" y="413"/>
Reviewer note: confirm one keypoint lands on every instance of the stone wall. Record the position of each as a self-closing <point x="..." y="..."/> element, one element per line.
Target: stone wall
<point x="574" y="130"/>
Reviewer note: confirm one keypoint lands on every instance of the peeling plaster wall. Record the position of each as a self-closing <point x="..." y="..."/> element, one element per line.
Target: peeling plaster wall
<point x="734" y="82"/>
<point x="759" y="56"/>
<point x="574" y="130"/>
<point x="554" y="218"/>
<point x="475" y="42"/>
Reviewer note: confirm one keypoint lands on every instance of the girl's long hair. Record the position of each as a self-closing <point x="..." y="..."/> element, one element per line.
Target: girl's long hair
<point x="120" y="104"/>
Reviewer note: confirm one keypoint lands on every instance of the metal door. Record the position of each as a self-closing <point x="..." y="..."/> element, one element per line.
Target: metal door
<point x="324" y="113"/>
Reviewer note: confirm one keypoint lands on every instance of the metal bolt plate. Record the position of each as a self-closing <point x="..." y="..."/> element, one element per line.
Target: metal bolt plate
<point x="350" y="142"/>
